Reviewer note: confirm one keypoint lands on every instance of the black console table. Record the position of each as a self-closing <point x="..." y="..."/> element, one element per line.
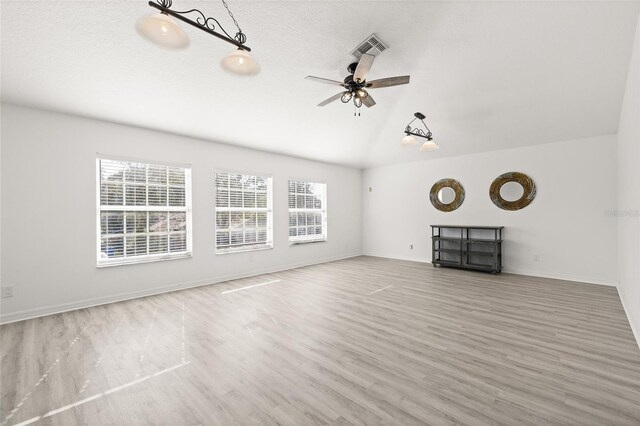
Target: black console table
<point x="468" y="247"/>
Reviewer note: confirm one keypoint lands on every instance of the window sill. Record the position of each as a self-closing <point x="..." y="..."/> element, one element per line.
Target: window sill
<point x="295" y="243"/>
<point x="243" y="250"/>
<point x="146" y="259"/>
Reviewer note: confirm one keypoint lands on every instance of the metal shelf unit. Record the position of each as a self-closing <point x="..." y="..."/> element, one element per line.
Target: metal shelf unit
<point x="468" y="247"/>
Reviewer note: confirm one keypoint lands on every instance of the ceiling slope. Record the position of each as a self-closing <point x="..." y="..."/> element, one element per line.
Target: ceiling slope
<point x="488" y="75"/>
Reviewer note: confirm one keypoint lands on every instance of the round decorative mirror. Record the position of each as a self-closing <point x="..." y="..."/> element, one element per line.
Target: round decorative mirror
<point x="512" y="191"/>
<point x="446" y="195"/>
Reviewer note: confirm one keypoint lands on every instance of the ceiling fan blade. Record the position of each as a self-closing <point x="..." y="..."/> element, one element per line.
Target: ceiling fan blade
<point x="331" y="99"/>
<point x="324" y="80"/>
<point x="364" y="65"/>
<point x="388" y="82"/>
<point x="368" y="101"/>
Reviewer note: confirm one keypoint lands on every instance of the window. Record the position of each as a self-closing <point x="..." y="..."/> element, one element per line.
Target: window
<point x="243" y="212"/>
<point x="144" y="212"/>
<point x="307" y="211"/>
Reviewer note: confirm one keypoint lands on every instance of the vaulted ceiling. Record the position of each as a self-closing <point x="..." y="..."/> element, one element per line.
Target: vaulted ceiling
<point x="488" y="75"/>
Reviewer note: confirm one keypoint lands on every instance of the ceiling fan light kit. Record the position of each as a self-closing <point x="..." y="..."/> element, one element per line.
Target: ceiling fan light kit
<point x="162" y="30"/>
<point x="412" y="132"/>
<point x="346" y="97"/>
<point x="356" y="84"/>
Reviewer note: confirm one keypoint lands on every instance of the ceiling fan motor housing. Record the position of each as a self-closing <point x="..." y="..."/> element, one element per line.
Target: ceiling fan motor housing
<point x="352" y="85"/>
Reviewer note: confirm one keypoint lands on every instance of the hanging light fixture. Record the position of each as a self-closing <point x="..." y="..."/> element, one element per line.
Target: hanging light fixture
<point x="408" y="140"/>
<point x="240" y="62"/>
<point x="412" y="132"/>
<point x="161" y="29"/>
<point x="429" y="146"/>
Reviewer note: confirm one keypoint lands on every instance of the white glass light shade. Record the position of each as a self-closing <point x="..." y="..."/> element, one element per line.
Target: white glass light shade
<point x="429" y="146"/>
<point x="408" y="140"/>
<point x="239" y="62"/>
<point x="357" y="102"/>
<point x="160" y="29"/>
<point x="346" y="97"/>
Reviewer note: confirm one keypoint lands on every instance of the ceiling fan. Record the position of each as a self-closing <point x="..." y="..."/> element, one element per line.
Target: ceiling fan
<point x="356" y="83"/>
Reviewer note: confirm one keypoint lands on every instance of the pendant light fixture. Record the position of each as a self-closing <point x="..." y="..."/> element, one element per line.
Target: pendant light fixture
<point x="240" y="62"/>
<point x="412" y="132"/>
<point x="161" y="29"/>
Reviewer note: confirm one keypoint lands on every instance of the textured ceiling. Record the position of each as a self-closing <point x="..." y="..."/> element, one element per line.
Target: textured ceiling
<point x="488" y="75"/>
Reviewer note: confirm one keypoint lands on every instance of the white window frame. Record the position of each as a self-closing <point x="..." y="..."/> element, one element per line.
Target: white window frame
<point x="187" y="209"/>
<point x="244" y="247"/>
<point x="315" y="238"/>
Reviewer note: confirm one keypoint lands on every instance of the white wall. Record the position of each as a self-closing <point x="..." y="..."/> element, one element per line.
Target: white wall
<point x="629" y="193"/>
<point x="49" y="221"/>
<point x="566" y="225"/>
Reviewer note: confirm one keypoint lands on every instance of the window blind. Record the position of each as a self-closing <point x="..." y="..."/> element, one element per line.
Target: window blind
<point x="307" y="211"/>
<point x="144" y="212"/>
<point x="243" y="212"/>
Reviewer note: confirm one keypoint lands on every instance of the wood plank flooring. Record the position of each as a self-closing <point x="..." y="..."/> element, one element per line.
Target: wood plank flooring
<point x="359" y="341"/>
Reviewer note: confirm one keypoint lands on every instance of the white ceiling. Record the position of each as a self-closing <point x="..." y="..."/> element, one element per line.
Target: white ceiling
<point x="488" y="75"/>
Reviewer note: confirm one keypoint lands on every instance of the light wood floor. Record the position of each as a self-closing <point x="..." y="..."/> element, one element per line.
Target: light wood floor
<point x="359" y="341"/>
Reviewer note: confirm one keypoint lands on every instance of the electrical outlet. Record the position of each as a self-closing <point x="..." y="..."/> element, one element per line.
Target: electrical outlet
<point x="536" y="258"/>
<point x="7" y="291"/>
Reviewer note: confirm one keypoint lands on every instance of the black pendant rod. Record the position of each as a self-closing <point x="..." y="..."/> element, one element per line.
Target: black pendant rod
<point x="200" y="27"/>
<point x="416" y="131"/>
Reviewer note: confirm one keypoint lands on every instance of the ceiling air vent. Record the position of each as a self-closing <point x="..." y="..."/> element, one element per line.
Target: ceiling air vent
<point x="372" y="46"/>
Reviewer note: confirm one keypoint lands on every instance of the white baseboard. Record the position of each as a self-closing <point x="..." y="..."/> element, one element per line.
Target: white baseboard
<point x="87" y="303"/>
<point x="574" y="278"/>
<point x="385" y="256"/>
<point x="635" y="328"/>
